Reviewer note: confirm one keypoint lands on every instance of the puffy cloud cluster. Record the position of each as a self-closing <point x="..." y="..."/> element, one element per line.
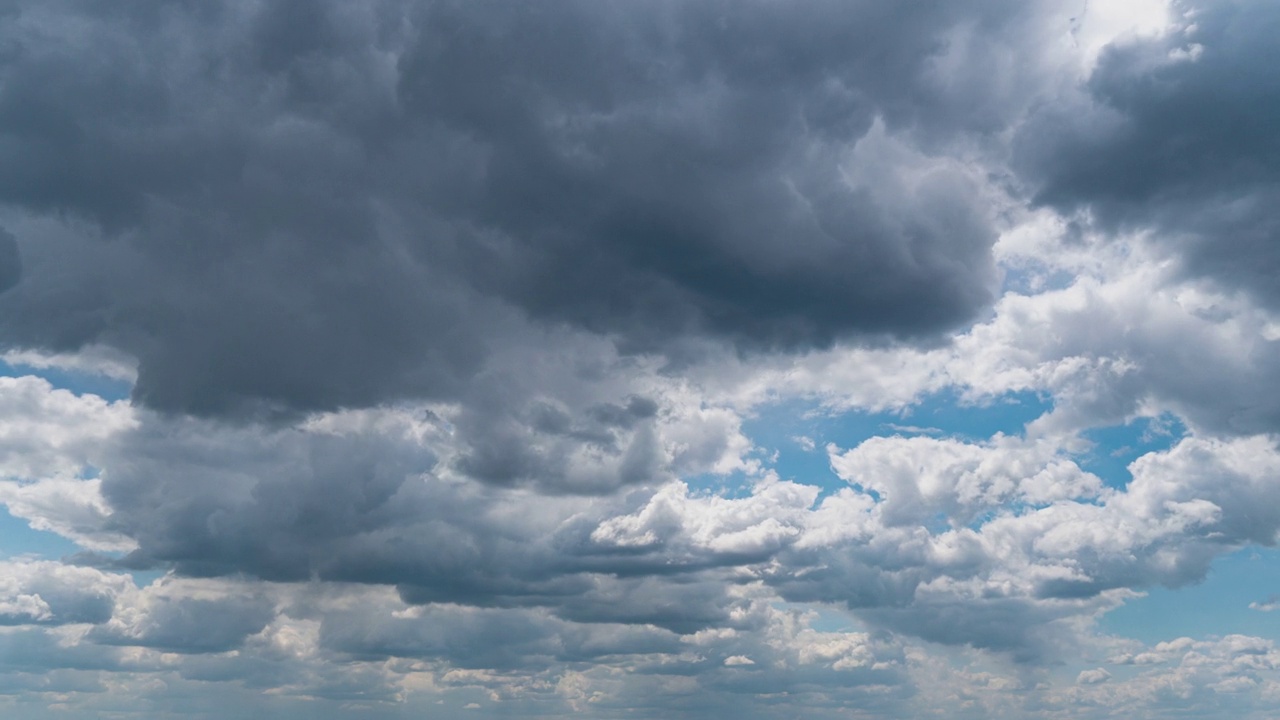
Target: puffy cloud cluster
<point x="1005" y="544"/>
<point x="1236" y="673"/>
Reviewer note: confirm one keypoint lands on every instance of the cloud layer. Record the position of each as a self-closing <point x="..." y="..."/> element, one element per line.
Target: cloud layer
<point x="668" y="360"/>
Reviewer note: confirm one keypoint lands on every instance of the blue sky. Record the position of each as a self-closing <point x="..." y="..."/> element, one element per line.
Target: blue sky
<point x="648" y="360"/>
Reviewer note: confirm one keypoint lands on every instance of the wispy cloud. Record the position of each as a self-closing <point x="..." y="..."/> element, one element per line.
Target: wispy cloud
<point x="1270" y="604"/>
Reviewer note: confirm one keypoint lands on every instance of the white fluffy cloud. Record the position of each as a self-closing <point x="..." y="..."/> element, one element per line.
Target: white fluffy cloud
<point x="52" y="443"/>
<point x="48" y="432"/>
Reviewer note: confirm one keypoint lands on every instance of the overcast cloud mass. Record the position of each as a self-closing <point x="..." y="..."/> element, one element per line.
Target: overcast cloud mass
<point x="409" y="358"/>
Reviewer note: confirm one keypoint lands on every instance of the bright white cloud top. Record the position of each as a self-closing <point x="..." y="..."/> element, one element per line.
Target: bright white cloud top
<point x="643" y="360"/>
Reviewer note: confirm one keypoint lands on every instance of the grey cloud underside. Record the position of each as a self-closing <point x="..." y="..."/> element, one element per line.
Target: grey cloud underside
<point x="375" y="508"/>
<point x="190" y="625"/>
<point x="294" y="507"/>
<point x="1179" y="137"/>
<point x="10" y="261"/>
<point x="300" y="206"/>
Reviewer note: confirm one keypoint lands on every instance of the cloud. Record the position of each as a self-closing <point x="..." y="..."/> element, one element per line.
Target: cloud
<point x="920" y="478"/>
<point x="1017" y="579"/>
<point x="92" y="360"/>
<point x="10" y="260"/>
<point x="49" y="593"/>
<point x="52" y="443"/>
<point x="74" y="509"/>
<point x="1268" y="605"/>
<point x="1123" y="335"/>
<point x="185" y="622"/>
<point x="49" y="432"/>
<point x="1233" y="673"/>
<point x="1093" y="677"/>
<point x="301" y="206"/>
<point x="1171" y="136"/>
<point x="452" y="328"/>
<point x="1005" y="544"/>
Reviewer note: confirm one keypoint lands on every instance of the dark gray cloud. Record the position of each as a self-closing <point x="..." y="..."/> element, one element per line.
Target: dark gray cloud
<point x="1178" y="135"/>
<point x="681" y="168"/>
<point x="279" y="504"/>
<point x="26" y="649"/>
<point x="10" y="261"/>
<point x="484" y="638"/>
<point x="375" y="507"/>
<point x="192" y="624"/>
<point x="300" y="206"/>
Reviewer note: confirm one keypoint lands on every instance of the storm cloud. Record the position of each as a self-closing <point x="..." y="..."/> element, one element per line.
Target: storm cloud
<point x="299" y="206"/>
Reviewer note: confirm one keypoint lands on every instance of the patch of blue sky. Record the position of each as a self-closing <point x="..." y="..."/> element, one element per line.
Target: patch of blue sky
<point x="822" y="617"/>
<point x="735" y="485"/>
<point x="80" y="383"/>
<point x="1115" y="446"/>
<point x="793" y="435"/>
<point x="143" y="578"/>
<point x="1032" y="278"/>
<point x="18" y="538"/>
<point x="1217" y="606"/>
<point x="947" y="414"/>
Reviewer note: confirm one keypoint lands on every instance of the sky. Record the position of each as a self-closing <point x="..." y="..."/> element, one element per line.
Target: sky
<point x="674" y="359"/>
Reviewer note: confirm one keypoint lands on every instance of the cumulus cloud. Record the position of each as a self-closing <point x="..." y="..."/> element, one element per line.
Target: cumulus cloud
<point x="50" y="593"/>
<point x="919" y="478"/>
<point x="1093" y="677"/>
<point x="1119" y="335"/>
<point x="49" y="432"/>
<point x="52" y="442"/>
<point x="1171" y="134"/>
<point x="74" y="509"/>
<point x="193" y="622"/>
